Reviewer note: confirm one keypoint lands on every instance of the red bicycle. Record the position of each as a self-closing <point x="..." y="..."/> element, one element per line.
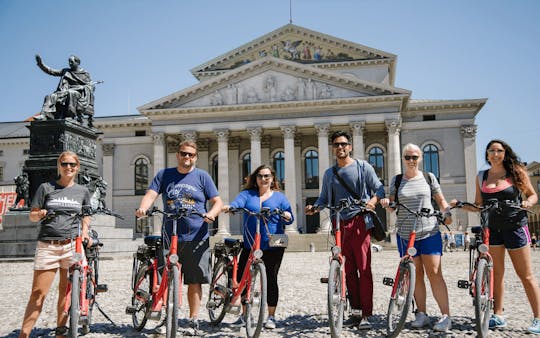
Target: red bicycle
<point x="152" y="291"/>
<point x="403" y="284"/>
<point x="83" y="274"/>
<point x="480" y="283"/>
<point x="250" y="291"/>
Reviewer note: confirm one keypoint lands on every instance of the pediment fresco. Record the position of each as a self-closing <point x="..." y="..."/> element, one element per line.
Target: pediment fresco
<point x="294" y="43"/>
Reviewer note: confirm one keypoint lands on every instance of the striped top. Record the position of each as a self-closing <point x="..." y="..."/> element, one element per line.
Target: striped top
<point x="416" y="193"/>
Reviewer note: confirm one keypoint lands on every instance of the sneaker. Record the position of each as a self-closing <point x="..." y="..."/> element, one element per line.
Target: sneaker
<point x="364" y="324"/>
<point x="535" y="326"/>
<point x="497" y="322"/>
<point x="193" y="329"/>
<point x="240" y="322"/>
<point x="352" y="321"/>
<point x="421" y="320"/>
<point x="444" y="324"/>
<point x="270" y="323"/>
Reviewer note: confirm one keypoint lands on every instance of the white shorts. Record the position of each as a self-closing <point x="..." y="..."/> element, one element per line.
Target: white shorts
<point x="52" y="256"/>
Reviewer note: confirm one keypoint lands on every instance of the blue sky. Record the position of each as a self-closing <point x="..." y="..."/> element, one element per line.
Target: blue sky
<point x="144" y="49"/>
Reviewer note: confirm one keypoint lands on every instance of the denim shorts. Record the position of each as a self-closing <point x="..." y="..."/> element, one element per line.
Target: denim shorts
<point x="431" y="245"/>
<point x="511" y="239"/>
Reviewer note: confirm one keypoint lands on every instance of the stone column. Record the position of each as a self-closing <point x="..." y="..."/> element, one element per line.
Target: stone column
<point x="290" y="172"/>
<point x="159" y="163"/>
<point x="358" y="139"/>
<point x="324" y="163"/>
<point x="265" y="149"/>
<point x="223" y="172"/>
<point x="108" y="153"/>
<point x="203" y="160"/>
<point x="300" y="221"/>
<point x="393" y="156"/>
<point x="468" y="133"/>
<point x="255" y="135"/>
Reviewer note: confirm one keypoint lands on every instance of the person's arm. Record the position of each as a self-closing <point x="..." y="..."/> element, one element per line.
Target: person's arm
<point x="36" y="214"/>
<point x="322" y="201"/>
<point x="385" y="202"/>
<point x="528" y="190"/>
<point x="85" y="228"/>
<point x="217" y="206"/>
<point x="146" y="202"/>
<point x="374" y="184"/>
<point x="444" y="206"/>
<point x="47" y="69"/>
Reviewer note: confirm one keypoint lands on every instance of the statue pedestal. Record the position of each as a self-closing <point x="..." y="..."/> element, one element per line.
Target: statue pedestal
<point x="19" y="235"/>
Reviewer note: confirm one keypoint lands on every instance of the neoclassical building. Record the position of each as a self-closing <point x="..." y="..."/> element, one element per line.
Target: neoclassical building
<point x="275" y="100"/>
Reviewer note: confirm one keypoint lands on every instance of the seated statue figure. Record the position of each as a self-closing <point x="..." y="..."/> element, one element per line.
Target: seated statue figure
<point x="74" y="96"/>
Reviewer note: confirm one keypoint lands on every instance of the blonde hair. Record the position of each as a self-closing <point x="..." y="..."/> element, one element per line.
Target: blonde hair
<point x="64" y="154"/>
<point x="412" y="147"/>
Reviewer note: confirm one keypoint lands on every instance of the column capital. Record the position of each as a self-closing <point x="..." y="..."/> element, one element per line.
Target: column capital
<point x="357" y="127"/>
<point x="189" y="135"/>
<point x="108" y="149"/>
<point x="393" y="126"/>
<point x="159" y="139"/>
<point x="202" y="144"/>
<point x="468" y="130"/>
<point x="255" y="133"/>
<point x="222" y="134"/>
<point x="322" y="129"/>
<point x="265" y="141"/>
<point x="288" y="131"/>
<point x="234" y="143"/>
<point x="298" y="140"/>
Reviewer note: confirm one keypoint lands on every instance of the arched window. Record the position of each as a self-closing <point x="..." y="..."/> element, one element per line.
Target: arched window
<point x="431" y="159"/>
<point x="214" y="169"/>
<point x="311" y="174"/>
<point x="141" y="176"/>
<point x="246" y="166"/>
<point x="376" y="159"/>
<point x="279" y="167"/>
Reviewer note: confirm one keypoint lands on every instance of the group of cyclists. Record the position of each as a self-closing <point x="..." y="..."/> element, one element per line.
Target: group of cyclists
<point x="186" y="186"/>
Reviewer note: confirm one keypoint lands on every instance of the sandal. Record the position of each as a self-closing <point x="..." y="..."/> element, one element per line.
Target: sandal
<point x="61" y="331"/>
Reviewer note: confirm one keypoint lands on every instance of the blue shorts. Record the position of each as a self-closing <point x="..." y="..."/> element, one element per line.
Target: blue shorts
<point x="428" y="246"/>
<point x="511" y="239"/>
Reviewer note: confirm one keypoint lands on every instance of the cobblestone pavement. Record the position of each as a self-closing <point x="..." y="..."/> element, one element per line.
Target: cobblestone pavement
<point x="301" y="311"/>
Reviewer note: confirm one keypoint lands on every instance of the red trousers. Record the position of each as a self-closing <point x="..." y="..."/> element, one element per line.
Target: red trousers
<point x="356" y="247"/>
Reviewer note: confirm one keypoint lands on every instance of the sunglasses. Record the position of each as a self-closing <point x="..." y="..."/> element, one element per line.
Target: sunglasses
<point x="340" y="144"/>
<point x="495" y="151"/>
<point x="184" y="154"/>
<point x="66" y="164"/>
<point x="265" y="176"/>
<point x="409" y="157"/>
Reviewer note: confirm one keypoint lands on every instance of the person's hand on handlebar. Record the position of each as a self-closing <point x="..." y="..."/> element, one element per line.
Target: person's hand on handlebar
<point x="311" y="209"/>
<point x="141" y="212"/>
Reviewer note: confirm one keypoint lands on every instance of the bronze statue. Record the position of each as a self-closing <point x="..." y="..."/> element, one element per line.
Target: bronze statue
<point x="74" y="96"/>
<point x="22" y="189"/>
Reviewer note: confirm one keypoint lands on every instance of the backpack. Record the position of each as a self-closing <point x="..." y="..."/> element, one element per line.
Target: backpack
<point x="429" y="181"/>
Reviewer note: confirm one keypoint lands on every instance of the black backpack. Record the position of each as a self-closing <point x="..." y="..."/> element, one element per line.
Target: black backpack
<point x="429" y="181"/>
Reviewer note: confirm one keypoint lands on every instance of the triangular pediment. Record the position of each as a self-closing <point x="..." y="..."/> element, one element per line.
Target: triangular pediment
<point x="271" y="80"/>
<point x="298" y="44"/>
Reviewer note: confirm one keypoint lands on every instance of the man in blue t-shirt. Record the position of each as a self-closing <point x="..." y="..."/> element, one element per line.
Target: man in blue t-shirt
<point x="187" y="187"/>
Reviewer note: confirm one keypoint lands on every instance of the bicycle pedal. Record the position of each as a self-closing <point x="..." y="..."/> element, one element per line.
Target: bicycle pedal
<point x="130" y="309"/>
<point x="388" y="281"/>
<point x="324" y="280"/>
<point x="463" y="284"/>
<point x="102" y="288"/>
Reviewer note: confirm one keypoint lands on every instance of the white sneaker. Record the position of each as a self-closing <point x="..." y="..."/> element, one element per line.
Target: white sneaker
<point x="364" y="324"/>
<point x="270" y="323"/>
<point x="421" y="320"/>
<point x="444" y="324"/>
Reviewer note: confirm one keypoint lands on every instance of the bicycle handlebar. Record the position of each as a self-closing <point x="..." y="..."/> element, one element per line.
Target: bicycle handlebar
<point x="492" y="204"/>
<point x="423" y="212"/>
<point x="265" y="212"/>
<point x="344" y="204"/>
<point x="177" y="214"/>
<point x="86" y="210"/>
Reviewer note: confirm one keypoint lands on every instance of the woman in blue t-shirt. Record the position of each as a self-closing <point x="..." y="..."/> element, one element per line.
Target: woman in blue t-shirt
<point x="262" y="191"/>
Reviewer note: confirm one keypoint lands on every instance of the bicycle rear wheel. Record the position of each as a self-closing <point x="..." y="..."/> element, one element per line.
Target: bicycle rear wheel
<point x="219" y="293"/>
<point x="173" y="301"/>
<point x="482" y="301"/>
<point x="336" y="303"/>
<point x="256" y="304"/>
<point x="400" y="302"/>
<point x="74" y="305"/>
<point x="141" y="299"/>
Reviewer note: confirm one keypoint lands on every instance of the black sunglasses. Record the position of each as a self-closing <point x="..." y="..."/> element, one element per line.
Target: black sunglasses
<point x="184" y="154"/>
<point x="340" y="144"/>
<point x="71" y="164"/>
<point x="265" y="176"/>
<point x="409" y="157"/>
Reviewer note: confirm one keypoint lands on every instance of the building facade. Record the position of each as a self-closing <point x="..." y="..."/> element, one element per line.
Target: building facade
<point x="275" y="100"/>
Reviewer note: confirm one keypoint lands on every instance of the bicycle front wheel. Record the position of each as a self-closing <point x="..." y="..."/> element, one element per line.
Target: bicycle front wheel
<point x="336" y="303"/>
<point x="141" y="300"/>
<point x="74" y="307"/>
<point x="173" y="301"/>
<point x="90" y="296"/>
<point x="219" y="293"/>
<point x="401" y="300"/>
<point x="482" y="301"/>
<point x="256" y="303"/>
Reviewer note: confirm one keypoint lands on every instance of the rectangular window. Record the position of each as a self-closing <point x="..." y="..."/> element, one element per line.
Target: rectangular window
<point x="428" y="117"/>
<point x="140" y="132"/>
